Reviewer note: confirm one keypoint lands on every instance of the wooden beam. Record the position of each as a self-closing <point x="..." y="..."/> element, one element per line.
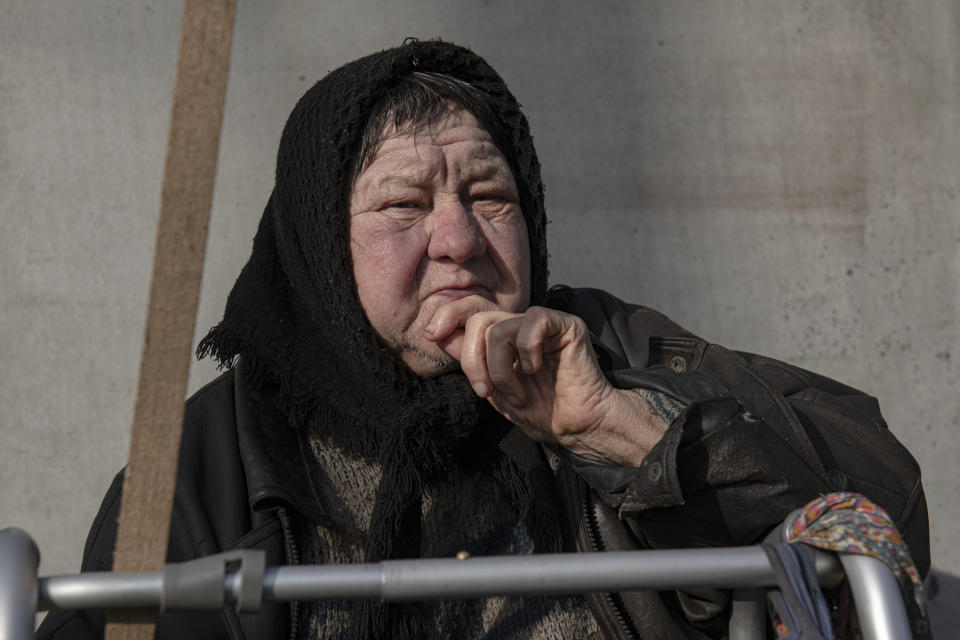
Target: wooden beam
<point x="191" y="165"/>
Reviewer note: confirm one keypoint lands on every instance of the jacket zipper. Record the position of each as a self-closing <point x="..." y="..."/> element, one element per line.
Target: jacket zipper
<point x="594" y="539"/>
<point x="293" y="557"/>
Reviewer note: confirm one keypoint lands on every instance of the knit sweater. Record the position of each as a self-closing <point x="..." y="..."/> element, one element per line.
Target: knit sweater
<point x="464" y="511"/>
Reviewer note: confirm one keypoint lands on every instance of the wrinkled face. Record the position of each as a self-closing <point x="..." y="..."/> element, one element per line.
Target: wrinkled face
<point x="435" y="217"/>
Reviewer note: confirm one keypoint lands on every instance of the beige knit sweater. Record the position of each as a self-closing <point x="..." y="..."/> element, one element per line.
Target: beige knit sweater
<point x="464" y="512"/>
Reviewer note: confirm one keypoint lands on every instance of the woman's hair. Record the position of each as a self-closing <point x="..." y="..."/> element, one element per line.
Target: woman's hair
<point x="424" y="98"/>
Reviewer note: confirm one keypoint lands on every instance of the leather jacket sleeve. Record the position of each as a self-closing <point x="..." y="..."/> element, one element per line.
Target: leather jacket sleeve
<point x="754" y="439"/>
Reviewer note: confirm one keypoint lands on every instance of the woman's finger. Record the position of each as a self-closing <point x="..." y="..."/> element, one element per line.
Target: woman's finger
<point x="503" y="360"/>
<point x="473" y="352"/>
<point x="454" y="315"/>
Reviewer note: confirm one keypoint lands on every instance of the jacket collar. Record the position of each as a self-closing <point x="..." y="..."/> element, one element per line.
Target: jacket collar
<point x="273" y="455"/>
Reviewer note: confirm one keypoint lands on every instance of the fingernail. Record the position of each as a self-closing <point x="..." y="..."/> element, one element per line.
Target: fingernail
<point x="481" y="389"/>
<point x="430" y="329"/>
<point x="513" y="401"/>
<point x="526" y="366"/>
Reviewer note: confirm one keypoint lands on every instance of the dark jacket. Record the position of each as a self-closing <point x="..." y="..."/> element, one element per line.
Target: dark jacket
<point x="757" y="439"/>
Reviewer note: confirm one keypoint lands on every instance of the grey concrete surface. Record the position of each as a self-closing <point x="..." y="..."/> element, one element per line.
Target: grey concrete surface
<point x="779" y="177"/>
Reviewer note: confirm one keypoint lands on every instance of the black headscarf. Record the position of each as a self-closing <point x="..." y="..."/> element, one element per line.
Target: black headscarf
<point x="294" y="318"/>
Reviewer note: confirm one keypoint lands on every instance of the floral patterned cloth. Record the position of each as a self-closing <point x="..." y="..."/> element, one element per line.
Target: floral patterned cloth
<point x="850" y="523"/>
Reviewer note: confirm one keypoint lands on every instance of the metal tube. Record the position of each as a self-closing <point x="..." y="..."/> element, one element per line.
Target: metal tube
<point x="19" y="559"/>
<point x="102" y="590"/>
<point x="323" y="582"/>
<point x="877" y="596"/>
<point x="727" y="568"/>
<point x="575" y="573"/>
<point x="400" y="580"/>
<point x="748" y="614"/>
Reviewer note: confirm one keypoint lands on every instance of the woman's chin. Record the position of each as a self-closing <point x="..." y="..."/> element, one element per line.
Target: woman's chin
<point x="434" y="358"/>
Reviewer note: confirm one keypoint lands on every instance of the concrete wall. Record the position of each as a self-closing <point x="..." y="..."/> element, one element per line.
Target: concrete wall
<point x="778" y="177"/>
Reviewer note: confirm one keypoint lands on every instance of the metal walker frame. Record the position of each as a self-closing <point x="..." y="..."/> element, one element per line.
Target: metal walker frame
<point x="241" y="579"/>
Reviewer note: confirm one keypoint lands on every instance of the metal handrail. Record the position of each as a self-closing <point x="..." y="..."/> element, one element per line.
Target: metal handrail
<point x="442" y="578"/>
<point x="19" y="559"/>
<point x="240" y="579"/>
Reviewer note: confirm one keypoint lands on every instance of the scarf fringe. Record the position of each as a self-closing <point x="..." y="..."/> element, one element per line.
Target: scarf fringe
<point x="227" y="349"/>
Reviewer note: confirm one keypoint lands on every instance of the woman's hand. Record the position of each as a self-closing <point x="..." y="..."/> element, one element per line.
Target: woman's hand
<point x="538" y="369"/>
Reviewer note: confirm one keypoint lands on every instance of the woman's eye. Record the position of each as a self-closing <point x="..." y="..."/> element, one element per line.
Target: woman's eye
<point x="490" y="204"/>
<point x="403" y="205"/>
<point x="485" y="199"/>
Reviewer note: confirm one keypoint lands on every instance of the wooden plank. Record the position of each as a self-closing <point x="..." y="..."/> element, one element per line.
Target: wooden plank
<point x="191" y="164"/>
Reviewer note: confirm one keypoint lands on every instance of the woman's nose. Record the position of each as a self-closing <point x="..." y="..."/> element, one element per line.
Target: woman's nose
<point x="454" y="232"/>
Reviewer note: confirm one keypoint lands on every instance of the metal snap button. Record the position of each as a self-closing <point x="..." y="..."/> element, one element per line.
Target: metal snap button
<point x="655" y="471"/>
<point x="837" y="479"/>
<point x="678" y="364"/>
<point x="555" y="462"/>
